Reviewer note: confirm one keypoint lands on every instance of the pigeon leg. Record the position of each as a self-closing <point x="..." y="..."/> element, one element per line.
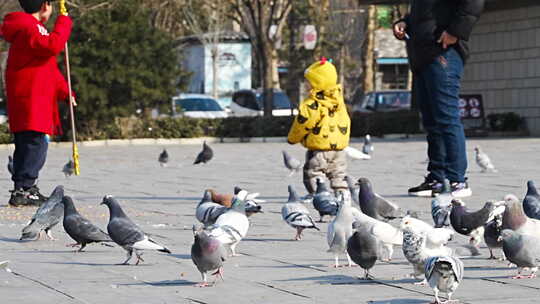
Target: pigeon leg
<point x="321" y="219"/>
<point x="49" y="235"/>
<point x="298" y="233"/>
<point x="349" y="260"/>
<point x="367" y="276"/>
<point x="139" y="257"/>
<point x="129" y="254"/>
<point x="491" y="256"/>
<point x="82" y="247"/>
<point x="533" y="273"/>
<point x="219" y="273"/>
<point x="518" y="276"/>
<point x="437" y="300"/>
<point x="233" y="249"/>
<point x="73" y="245"/>
<point x="204" y="283"/>
<point x="336" y="261"/>
<point x="39" y="235"/>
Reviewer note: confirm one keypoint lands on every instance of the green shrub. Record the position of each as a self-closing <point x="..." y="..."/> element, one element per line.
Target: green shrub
<point x="5" y="136"/>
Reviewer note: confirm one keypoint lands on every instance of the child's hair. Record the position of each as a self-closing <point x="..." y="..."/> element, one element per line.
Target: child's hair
<point x="32" y="6"/>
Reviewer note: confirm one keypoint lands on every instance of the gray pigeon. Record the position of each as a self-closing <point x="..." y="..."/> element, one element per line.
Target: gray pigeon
<point x="207" y="211"/>
<point x="363" y="247"/>
<point x="163" y="158"/>
<point x="296" y="214"/>
<point x="522" y="250"/>
<point x="340" y="230"/>
<point x="126" y="233"/>
<point x="444" y="273"/>
<point x="208" y="254"/>
<point x="515" y="219"/>
<point x="483" y="161"/>
<point x="531" y="202"/>
<point x="441" y="206"/>
<point x="324" y="201"/>
<point x="492" y="233"/>
<point x="375" y="205"/>
<point x="205" y="155"/>
<point x="10" y="164"/>
<point x="79" y="228"/>
<point x="46" y="217"/>
<point x="69" y="168"/>
<point x="354" y="189"/>
<point x="368" y="146"/>
<point x="291" y="163"/>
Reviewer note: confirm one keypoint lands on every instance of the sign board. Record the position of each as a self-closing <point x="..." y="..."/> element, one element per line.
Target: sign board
<point x="471" y="110"/>
<point x="310" y="37"/>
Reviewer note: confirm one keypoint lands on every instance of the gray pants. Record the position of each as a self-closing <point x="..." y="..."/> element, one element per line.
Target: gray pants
<point x="331" y="165"/>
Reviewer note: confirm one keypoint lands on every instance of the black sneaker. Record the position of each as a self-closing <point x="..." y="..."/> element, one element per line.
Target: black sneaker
<point x="426" y="188"/>
<point x="21" y="198"/>
<point x="460" y="189"/>
<point x="35" y="196"/>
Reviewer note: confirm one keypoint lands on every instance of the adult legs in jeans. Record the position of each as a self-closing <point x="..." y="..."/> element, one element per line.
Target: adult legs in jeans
<point x="438" y="86"/>
<point x="28" y="158"/>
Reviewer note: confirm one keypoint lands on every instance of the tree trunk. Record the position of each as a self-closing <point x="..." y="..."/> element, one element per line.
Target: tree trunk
<point x="215" y="67"/>
<point x="369" y="67"/>
<point x="274" y="69"/>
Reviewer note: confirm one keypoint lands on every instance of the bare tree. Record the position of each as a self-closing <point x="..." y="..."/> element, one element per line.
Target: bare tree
<point x="263" y="21"/>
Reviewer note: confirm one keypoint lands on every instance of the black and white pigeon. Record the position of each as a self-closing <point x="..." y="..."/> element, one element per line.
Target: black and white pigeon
<point x="472" y="223"/>
<point x="483" y="161"/>
<point x="252" y="202"/>
<point x="363" y="247"/>
<point x="354" y="189"/>
<point x="441" y="206"/>
<point x="46" y="217"/>
<point x="340" y="230"/>
<point x="207" y="212"/>
<point x="492" y="233"/>
<point x="296" y="215"/>
<point x="531" y="202"/>
<point x="291" y="163"/>
<point x="69" y="168"/>
<point x="163" y="158"/>
<point x="368" y="146"/>
<point x="80" y="229"/>
<point x="522" y="250"/>
<point x="375" y="205"/>
<point x="324" y="201"/>
<point x="232" y="226"/>
<point x="10" y="165"/>
<point x="205" y="155"/>
<point x="444" y="273"/>
<point x="208" y="254"/>
<point x="126" y="233"/>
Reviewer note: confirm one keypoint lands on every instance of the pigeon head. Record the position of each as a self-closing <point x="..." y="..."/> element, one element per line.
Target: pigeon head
<point x="507" y="234"/>
<point x="207" y="196"/>
<point x="114" y="206"/>
<point x="531" y="188"/>
<point x="321" y="186"/>
<point x="69" y="207"/>
<point x="197" y="228"/>
<point x="513" y="216"/>
<point x="444" y="269"/>
<point x="363" y="181"/>
<point x="57" y="193"/>
<point x="458" y="203"/>
<point x="368" y="137"/>
<point x="293" y="196"/>
<point x="252" y="207"/>
<point x="477" y="149"/>
<point x="237" y="190"/>
<point x="239" y="201"/>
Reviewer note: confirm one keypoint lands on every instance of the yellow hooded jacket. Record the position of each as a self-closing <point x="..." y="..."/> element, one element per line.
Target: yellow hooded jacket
<point x="322" y="122"/>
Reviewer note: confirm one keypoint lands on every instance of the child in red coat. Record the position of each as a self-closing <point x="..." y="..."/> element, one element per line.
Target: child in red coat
<point x="34" y="85"/>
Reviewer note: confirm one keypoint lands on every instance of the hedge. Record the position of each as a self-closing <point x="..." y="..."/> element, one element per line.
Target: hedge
<point x="376" y="124"/>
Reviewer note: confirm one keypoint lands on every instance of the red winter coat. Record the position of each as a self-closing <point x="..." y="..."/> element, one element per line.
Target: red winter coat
<point x="34" y="84"/>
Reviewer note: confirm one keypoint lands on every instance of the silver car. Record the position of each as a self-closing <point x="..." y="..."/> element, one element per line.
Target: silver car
<point x="197" y="106"/>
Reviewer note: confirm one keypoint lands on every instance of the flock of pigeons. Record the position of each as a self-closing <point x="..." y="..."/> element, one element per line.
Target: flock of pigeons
<point x="359" y="228"/>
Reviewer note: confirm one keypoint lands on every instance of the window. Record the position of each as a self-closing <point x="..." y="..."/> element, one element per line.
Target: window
<point x="198" y="104"/>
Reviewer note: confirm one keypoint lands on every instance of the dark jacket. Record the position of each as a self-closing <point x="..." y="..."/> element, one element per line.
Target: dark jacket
<point x="429" y="18"/>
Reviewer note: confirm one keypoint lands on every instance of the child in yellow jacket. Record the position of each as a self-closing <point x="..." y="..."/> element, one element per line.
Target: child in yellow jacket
<point x="323" y="126"/>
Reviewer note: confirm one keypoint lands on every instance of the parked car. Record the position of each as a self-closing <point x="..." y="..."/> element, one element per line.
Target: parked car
<point x="197" y="106"/>
<point x="3" y="116"/>
<point x="251" y="103"/>
<point x="384" y="101"/>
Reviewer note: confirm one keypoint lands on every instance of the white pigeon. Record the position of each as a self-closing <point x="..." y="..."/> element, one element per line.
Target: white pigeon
<point x="356" y="154"/>
<point x="483" y="161"/>
<point x="232" y="226"/>
<point x="296" y="215"/>
<point x="422" y="241"/>
<point x="340" y="230"/>
<point x="444" y="273"/>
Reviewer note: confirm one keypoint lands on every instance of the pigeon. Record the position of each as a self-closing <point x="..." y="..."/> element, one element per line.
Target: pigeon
<point x="69" y="168"/>
<point x="205" y="155"/>
<point x="483" y="161"/>
<point x="354" y="190"/>
<point x="340" y="230"/>
<point x="291" y="163"/>
<point x="441" y="206"/>
<point x="444" y="273"/>
<point x="514" y="218"/>
<point x="232" y="226"/>
<point x="363" y="247"/>
<point x="472" y="223"/>
<point x="126" y="233"/>
<point x="10" y="164"/>
<point x="208" y="254"/>
<point x="492" y="232"/>
<point x="422" y="241"/>
<point x="252" y="201"/>
<point x="387" y="235"/>
<point x="296" y="215"/>
<point x="368" y="146"/>
<point x="79" y="228"/>
<point x="531" y="202"/>
<point x="375" y="205"/>
<point x="356" y="154"/>
<point x="222" y="199"/>
<point x="324" y="201"/>
<point x="46" y="216"/>
<point x="522" y="250"/>
<point x="207" y="212"/>
<point x="163" y="158"/>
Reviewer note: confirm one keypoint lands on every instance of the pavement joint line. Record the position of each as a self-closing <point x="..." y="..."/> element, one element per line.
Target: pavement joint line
<point x="508" y="283"/>
<point x="46" y="286"/>
<point x="411" y="290"/>
<point x="283" y="290"/>
<point x="196" y="301"/>
<point x="286" y="263"/>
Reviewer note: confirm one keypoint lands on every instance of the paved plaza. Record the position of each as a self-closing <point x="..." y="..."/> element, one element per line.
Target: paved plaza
<point x="271" y="268"/>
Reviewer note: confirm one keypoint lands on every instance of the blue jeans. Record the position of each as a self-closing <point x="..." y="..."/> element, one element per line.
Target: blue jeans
<point x="28" y="158"/>
<point x="437" y="93"/>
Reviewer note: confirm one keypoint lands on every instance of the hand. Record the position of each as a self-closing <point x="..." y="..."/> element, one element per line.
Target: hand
<point x="447" y="40"/>
<point x="62" y="7"/>
<point x="73" y="101"/>
<point x="399" y="30"/>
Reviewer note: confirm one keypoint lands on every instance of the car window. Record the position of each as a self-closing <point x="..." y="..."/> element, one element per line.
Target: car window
<point x="394" y="100"/>
<point x="198" y="104"/>
<point x="370" y="101"/>
<point x="280" y="101"/>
